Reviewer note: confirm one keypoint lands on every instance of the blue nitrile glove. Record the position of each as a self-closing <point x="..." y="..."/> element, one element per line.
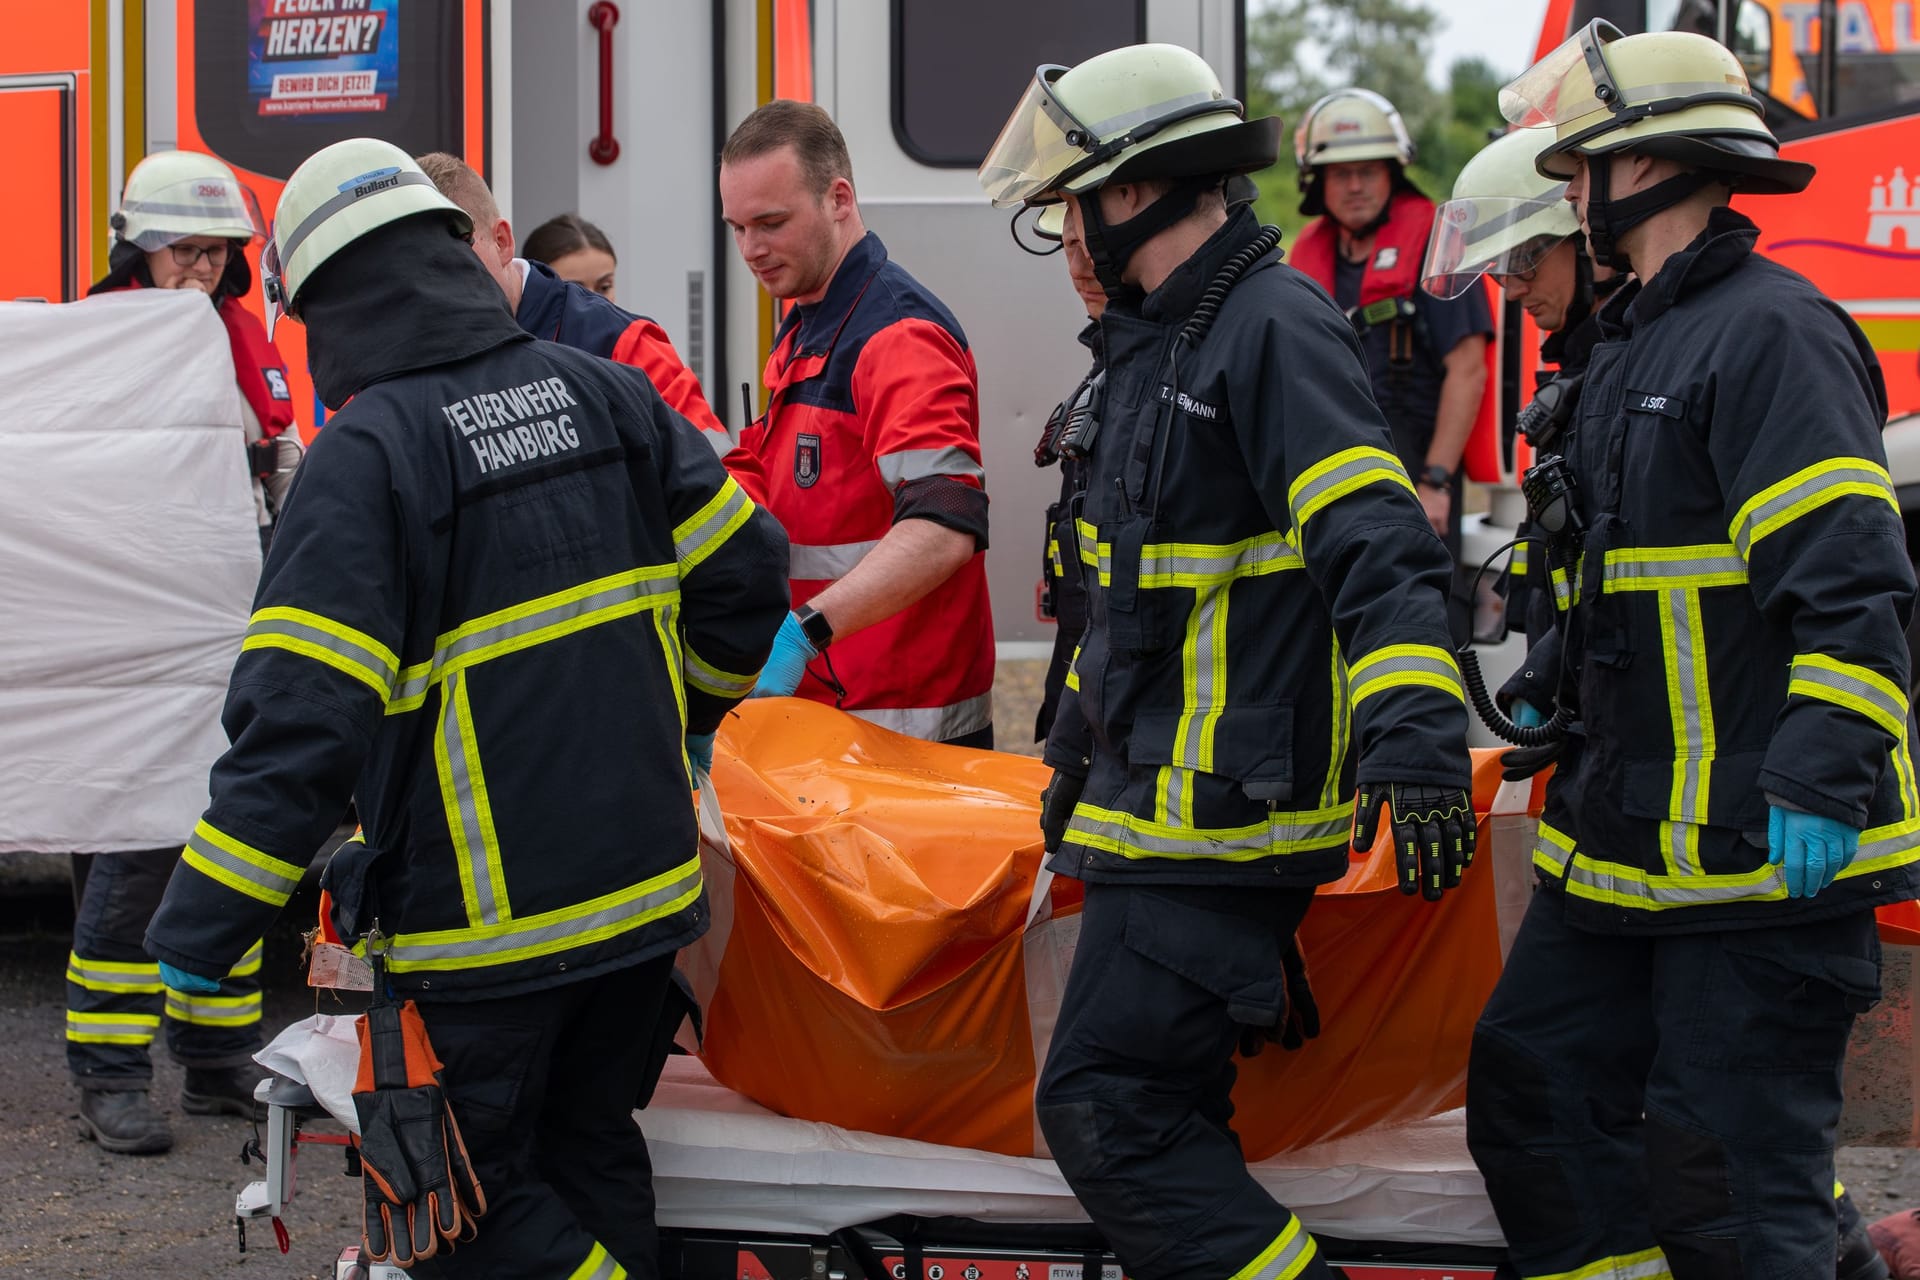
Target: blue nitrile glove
<point x="1526" y="715"/>
<point x="1810" y="850"/>
<point x="700" y="751"/>
<point x="792" y="651"/>
<point x="191" y="983"/>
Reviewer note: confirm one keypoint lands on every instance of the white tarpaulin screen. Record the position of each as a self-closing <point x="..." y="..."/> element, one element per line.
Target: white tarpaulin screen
<point x="128" y="558"/>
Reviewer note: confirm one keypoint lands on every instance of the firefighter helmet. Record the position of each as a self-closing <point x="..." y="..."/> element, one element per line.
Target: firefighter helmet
<point x="1349" y="125"/>
<point x="1672" y="94"/>
<point x="171" y="195"/>
<point x="1142" y="112"/>
<point x="338" y="194"/>
<point x="1502" y="220"/>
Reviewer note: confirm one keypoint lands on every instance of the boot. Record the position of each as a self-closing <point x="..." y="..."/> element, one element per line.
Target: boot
<point x="124" y="1121"/>
<point x="1859" y="1258"/>
<point x="222" y="1091"/>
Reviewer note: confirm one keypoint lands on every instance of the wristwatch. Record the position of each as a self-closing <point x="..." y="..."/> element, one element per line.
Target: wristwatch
<point x="1434" y="477"/>
<point x="814" y="625"/>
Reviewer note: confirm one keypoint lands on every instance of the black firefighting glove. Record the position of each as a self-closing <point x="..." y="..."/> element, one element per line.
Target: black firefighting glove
<point x="418" y="1183"/>
<point x="1057" y="804"/>
<point x="1433" y="832"/>
<point x="1300" y="1022"/>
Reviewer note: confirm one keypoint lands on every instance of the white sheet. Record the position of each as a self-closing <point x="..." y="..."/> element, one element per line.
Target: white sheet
<point x="128" y="558"/>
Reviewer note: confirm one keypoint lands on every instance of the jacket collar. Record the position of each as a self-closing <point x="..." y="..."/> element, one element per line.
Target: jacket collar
<point x="1181" y="291"/>
<point x="543" y="301"/>
<point x="815" y="326"/>
<point x="1717" y="251"/>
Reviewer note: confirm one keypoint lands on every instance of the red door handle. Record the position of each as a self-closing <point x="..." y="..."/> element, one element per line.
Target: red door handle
<point x="602" y="15"/>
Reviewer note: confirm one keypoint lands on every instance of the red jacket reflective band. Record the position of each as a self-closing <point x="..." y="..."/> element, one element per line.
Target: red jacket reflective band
<point x="871" y="388"/>
<point x="1398" y="250"/>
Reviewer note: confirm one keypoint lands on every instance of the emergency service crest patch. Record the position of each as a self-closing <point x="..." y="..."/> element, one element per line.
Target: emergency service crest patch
<point x="806" y="460"/>
<point x="277" y="384"/>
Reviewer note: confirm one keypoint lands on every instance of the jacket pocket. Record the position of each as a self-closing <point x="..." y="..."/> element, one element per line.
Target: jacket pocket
<point x="1252" y="745"/>
<point x="1782" y="1000"/>
<point x="1233" y="957"/>
<point x="1730" y="784"/>
<point x="1141" y="621"/>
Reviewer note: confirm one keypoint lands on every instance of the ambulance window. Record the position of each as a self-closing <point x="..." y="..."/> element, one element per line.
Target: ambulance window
<point x="959" y="68"/>
<point x="276" y="80"/>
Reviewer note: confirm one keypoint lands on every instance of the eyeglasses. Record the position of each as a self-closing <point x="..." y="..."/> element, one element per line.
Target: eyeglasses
<point x="187" y="256"/>
<point x="1524" y="277"/>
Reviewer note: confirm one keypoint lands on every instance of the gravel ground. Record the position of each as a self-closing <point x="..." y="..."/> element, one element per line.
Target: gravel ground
<point x="75" y="1213"/>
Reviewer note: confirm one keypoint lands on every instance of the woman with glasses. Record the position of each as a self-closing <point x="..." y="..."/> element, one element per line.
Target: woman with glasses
<point x="184" y="223"/>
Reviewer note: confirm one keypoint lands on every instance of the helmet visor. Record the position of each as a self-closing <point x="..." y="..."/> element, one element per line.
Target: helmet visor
<point x="1040" y="141"/>
<point x="1490" y="235"/>
<point x="1534" y="98"/>
<point x="209" y="206"/>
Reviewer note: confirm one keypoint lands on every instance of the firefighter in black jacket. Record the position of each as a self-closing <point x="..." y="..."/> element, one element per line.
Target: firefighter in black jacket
<point x="1266" y="622"/>
<point x="490" y="616"/>
<point x="1656" y="1080"/>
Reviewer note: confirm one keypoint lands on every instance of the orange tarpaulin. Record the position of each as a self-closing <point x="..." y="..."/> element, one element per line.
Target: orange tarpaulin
<point x="882" y="963"/>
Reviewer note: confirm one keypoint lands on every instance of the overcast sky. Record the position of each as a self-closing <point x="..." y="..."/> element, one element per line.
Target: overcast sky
<point x="1501" y="31"/>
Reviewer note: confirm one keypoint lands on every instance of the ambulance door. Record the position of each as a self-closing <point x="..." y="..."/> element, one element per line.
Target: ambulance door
<point x="46" y="152"/>
<point x="263" y="84"/>
<point x="920" y="88"/>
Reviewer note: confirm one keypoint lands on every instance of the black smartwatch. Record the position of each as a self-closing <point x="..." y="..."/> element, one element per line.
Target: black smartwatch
<point x="814" y="625"/>
<point x="1434" y="477"/>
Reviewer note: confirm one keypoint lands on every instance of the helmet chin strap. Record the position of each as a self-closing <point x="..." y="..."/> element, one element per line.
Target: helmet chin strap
<point x="1112" y="244"/>
<point x="1608" y="219"/>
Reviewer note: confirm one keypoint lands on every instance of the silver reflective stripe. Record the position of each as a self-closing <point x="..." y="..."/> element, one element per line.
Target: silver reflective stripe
<point x="420" y="680"/>
<point x="89" y="973"/>
<point x="1294" y="1252"/>
<point x="1743" y="536"/>
<point x="932" y="724"/>
<point x="280" y="886"/>
<point x="696" y="539"/>
<point x="1345" y="471"/>
<point x="1225" y="564"/>
<point x="821" y="564"/>
<point x="95" y="1026"/>
<point x="1597" y="876"/>
<point x="1842" y="683"/>
<point x="466" y="809"/>
<point x="1203" y="845"/>
<point x="376" y="664"/>
<point x="897" y="469"/>
<point x="708" y="678"/>
<point x="311" y="223"/>
<point x="542" y="939"/>
<point x="722" y="443"/>
<point x="219" y="1011"/>
<point x="1688" y="715"/>
<point x="604" y="1267"/>
<point x="1372" y="677"/>
<point x="1658" y="571"/>
<point x="1204" y="692"/>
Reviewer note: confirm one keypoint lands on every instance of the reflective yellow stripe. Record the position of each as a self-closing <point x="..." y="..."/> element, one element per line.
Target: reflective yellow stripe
<point x="1399" y="666"/>
<point x="1195" y="565"/>
<point x="1672" y="568"/>
<point x="1342" y="729"/>
<point x="1619" y="885"/>
<point x="530" y="937"/>
<point x="1053" y="556"/>
<point x="1903" y="772"/>
<point x="599" y="1266"/>
<point x="117" y="977"/>
<point x="536" y="622"/>
<point x="1649" y="1264"/>
<point x="1552" y="848"/>
<point x="334" y="643"/>
<point x="112" y="1028"/>
<point x="709" y="679"/>
<point x="1127" y="836"/>
<point x="1690" y="711"/>
<point x="240" y="866"/>
<point x="463" y="797"/>
<point x="1518" y="565"/>
<point x="249" y="963"/>
<point x="214" y="1011"/>
<point x="1333" y="478"/>
<point x="1779" y="505"/>
<point x="1284" y="1259"/>
<point x="1846" y="684"/>
<point x="666" y="626"/>
<point x="707" y="530"/>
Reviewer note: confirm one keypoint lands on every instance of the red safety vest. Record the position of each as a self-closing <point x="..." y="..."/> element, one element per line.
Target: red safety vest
<point x="871" y="388"/>
<point x="1398" y="249"/>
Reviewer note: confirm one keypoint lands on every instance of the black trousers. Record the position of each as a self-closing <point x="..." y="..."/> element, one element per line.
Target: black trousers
<point x="543" y="1086"/>
<point x="1134" y="1096"/>
<point x="115" y="1003"/>
<point x="1667" y="1104"/>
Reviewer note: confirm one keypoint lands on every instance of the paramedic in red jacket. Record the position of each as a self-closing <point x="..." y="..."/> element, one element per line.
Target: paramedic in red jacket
<point x="575" y="316"/>
<point x="870" y="447"/>
<point x="184" y="223"/>
<point x="1426" y="356"/>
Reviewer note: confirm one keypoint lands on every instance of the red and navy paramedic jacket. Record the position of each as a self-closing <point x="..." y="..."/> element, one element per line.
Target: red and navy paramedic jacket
<point x="575" y="316"/>
<point x="874" y="416"/>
